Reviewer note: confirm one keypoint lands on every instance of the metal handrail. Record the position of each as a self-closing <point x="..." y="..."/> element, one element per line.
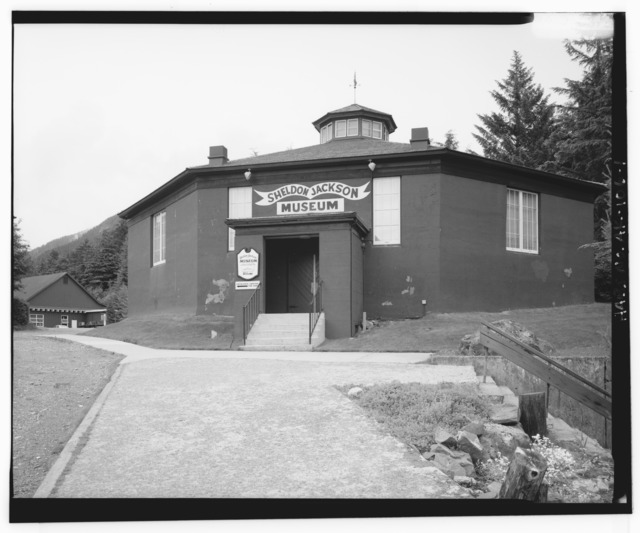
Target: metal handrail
<point x="316" y="307"/>
<point x="250" y="312"/>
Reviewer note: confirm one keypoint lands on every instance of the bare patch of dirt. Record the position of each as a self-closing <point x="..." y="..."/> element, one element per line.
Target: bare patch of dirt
<point x="55" y="382"/>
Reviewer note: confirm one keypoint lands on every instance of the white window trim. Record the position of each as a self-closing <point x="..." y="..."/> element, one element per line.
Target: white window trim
<point x="231" y="240"/>
<point x="345" y="128"/>
<point x="364" y="134"/>
<point x="162" y="239"/>
<point x="36" y="319"/>
<point x="521" y="247"/>
<point x="64" y="319"/>
<point x="399" y="209"/>
<point x="356" y="132"/>
<point x="373" y="132"/>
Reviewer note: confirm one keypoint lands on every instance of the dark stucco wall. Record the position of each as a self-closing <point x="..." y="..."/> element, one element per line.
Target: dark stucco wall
<point x="478" y="273"/>
<point x="398" y="278"/>
<point x="171" y="286"/>
<point x="216" y="265"/>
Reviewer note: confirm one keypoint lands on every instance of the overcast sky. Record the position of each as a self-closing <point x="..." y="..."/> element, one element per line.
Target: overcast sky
<point x="105" y="114"/>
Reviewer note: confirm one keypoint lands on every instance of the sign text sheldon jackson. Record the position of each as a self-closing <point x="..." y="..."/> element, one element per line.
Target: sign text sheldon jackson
<point x="331" y="188"/>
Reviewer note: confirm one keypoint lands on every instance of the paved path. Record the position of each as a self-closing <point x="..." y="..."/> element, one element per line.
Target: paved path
<point x="241" y="424"/>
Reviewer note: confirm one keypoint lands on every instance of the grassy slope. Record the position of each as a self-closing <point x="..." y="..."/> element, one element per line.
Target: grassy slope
<point x="55" y="382"/>
<point x="177" y="332"/>
<point x="576" y="329"/>
<point x="571" y="329"/>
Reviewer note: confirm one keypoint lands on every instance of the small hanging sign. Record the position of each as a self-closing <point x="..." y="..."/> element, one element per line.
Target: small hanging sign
<point x="248" y="263"/>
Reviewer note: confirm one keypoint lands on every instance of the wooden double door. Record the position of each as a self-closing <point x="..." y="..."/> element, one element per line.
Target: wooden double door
<point x="290" y="267"/>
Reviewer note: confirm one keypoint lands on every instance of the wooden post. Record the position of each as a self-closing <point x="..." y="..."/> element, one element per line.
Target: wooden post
<point x="533" y="413"/>
<point x="524" y="477"/>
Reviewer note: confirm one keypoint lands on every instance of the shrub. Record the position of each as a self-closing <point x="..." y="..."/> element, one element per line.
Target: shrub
<point x="19" y="312"/>
<point x="411" y="411"/>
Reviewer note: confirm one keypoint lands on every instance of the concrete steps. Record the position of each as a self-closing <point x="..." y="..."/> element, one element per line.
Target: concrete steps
<point x="284" y="332"/>
<point x="495" y="392"/>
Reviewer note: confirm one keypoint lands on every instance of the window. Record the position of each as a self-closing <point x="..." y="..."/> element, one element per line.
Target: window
<point x="64" y="320"/>
<point x="386" y="211"/>
<point x="352" y="127"/>
<point x="240" y="199"/>
<point x="522" y="221"/>
<point x="366" y="128"/>
<point x="159" y="237"/>
<point x="377" y="130"/>
<point x="341" y="128"/>
<point x="38" y="320"/>
<point x="325" y="133"/>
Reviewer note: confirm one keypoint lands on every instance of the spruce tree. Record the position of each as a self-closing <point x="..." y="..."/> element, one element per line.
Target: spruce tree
<point x="583" y="138"/>
<point x="520" y="132"/>
<point x="21" y="264"/>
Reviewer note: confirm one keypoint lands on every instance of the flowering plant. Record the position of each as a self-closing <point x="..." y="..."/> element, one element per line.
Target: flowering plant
<point x="560" y="462"/>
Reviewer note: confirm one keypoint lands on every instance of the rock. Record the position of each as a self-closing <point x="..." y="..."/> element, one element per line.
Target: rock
<point x="503" y="439"/>
<point x="477" y="428"/>
<point x="354" y="392"/>
<point x="495" y="486"/>
<point x="464" y="480"/>
<point x="442" y="436"/>
<point x="469" y="443"/>
<point x="470" y="344"/>
<point x="452" y="466"/>
<point x="441" y="448"/>
<point x="504" y="413"/>
<point x="488" y="495"/>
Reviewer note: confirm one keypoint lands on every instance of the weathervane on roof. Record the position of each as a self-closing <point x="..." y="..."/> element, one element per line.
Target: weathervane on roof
<point x="355" y="86"/>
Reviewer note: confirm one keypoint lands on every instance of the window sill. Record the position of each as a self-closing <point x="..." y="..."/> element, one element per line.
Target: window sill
<point x="525" y="252"/>
<point x="159" y="263"/>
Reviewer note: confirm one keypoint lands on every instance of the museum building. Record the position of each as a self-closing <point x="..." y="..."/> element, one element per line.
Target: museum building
<point x="393" y="230"/>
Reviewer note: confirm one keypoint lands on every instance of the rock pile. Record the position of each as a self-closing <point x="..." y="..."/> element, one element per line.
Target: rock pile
<point x="470" y="344"/>
<point x="477" y="442"/>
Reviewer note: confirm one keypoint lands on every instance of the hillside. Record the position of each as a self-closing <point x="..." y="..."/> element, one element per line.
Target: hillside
<point x="67" y="244"/>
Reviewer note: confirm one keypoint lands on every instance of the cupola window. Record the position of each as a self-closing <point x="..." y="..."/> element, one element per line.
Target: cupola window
<point x="377" y="130"/>
<point x="352" y="127"/>
<point x="341" y="128"/>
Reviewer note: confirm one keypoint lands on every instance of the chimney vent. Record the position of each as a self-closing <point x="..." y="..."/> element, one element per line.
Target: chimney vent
<point x="217" y="156"/>
<point x="420" y="138"/>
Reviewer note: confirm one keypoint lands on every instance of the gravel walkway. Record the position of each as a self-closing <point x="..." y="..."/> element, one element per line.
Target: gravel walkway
<point x="262" y="428"/>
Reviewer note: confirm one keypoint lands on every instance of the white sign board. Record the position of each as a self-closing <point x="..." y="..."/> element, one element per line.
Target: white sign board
<point x="248" y="263"/>
<point x="247" y="285"/>
<point x="333" y="205"/>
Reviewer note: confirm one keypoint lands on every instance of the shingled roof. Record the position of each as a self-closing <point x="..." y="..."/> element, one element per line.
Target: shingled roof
<point x="343" y="148"/>
<point x="34" y="285"/>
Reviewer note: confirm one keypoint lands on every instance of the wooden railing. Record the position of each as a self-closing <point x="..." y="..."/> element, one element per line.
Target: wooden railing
<point x="550" y="371"/>
<point x="250" y="312"/>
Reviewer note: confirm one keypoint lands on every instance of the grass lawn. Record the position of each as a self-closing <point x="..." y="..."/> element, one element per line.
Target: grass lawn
<point x="574" y="329"/>
<point x="176" y="332"/>
<point x="55" y="382"/>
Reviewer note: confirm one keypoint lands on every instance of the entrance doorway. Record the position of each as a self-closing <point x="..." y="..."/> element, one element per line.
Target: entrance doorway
<point x="289" y="269"/>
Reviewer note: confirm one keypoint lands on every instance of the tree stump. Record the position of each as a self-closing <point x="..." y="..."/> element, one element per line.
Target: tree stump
<point x="524" y="477"/>
<point x="533" y="413"/>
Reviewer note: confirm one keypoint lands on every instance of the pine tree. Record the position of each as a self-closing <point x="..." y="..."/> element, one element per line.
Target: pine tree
<point x="21" y="264"/>
<point x="450" y="141"/>
<point x="520" y="132"/>
<point x="583" y="138"/>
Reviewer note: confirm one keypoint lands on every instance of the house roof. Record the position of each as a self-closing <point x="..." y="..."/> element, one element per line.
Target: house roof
<point x="34" y="285"/>
<point x="335" y="149"/>
<point x="359" y="110"/>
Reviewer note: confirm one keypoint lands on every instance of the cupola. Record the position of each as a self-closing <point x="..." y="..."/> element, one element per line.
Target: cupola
<point x="354" y="121"/>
